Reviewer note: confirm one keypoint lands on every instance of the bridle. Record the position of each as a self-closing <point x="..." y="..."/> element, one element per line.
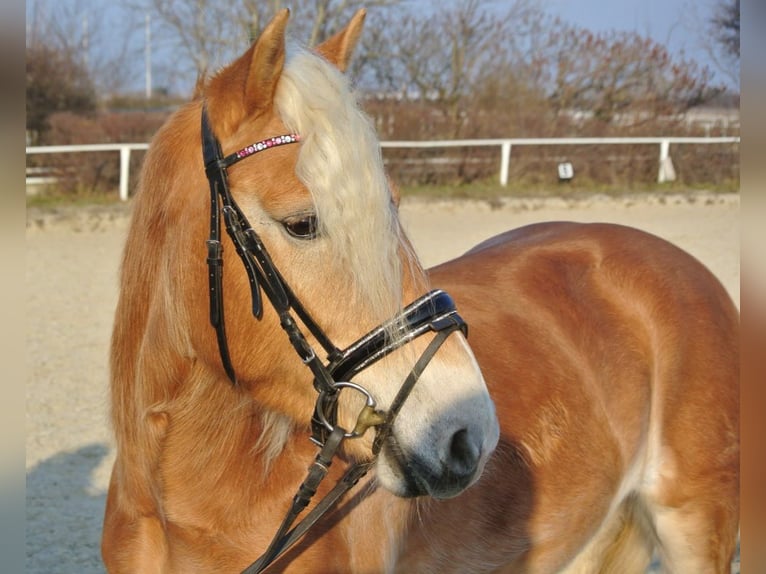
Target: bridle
<point x="432" y="313"/>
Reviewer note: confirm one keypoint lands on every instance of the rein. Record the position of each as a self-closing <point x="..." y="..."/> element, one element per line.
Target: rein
<point x="434" y="312"/>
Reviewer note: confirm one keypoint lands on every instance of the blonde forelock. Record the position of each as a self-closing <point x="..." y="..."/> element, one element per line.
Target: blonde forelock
<point x="341" y="164"/>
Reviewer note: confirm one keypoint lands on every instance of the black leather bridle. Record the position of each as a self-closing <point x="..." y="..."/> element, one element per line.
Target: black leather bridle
<point x="432" y="313"/>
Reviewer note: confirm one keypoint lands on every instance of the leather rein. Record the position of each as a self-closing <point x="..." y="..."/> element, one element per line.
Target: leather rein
<point x="434" y="312"/>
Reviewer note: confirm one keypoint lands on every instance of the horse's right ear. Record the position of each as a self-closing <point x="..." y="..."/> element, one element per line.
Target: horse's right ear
<point x="339" y="48"/>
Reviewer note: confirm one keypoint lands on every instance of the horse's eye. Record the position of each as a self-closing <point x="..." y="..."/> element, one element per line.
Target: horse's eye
<point x="302" y="227"/>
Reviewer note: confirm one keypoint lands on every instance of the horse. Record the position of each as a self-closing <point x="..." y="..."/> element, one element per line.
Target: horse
<point x="591" y="423"/>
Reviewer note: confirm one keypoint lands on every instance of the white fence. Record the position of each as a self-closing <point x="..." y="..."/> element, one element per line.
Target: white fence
<point x="123" y="148"/>
<point x="664" y="172"/>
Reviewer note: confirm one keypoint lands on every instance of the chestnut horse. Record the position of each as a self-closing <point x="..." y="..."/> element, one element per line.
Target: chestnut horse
<point x="610" y="357"/>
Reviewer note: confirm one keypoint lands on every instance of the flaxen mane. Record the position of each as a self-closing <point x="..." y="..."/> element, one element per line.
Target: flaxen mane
<point x="340" y="163"/>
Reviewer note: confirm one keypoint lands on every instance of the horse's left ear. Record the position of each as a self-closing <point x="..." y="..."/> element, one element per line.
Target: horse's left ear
<point x="268" y="58"/>
<point x="339" y="48"/>
<point x="256" y="74"/>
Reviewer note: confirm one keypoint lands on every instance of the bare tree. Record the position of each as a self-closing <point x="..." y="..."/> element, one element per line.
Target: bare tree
<point x="477" y="69"/>
<point x="81" y="30"/>
<point x="623" y="77"/>
<point x="54" y="82"/>
<point x="198" y="36"/>
<point x="716" y="27"/>
<point x="724" y="30"/>
<point x="725" y="23"/>
<point x="443" y="59"/>
<point x="208" y="34"/>
<point x="512" y="97"/>
<point x="68" y="63"/>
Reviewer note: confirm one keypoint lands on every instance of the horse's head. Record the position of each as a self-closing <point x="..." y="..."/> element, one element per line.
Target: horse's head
<point x="324" y="211"/>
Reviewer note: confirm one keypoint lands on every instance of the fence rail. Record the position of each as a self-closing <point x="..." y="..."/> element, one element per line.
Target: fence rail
<point x="664" y="172"/>
<point x="123" y="148"/>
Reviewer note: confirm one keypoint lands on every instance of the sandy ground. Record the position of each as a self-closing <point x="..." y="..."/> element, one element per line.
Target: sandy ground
<point x="71" y="279"/>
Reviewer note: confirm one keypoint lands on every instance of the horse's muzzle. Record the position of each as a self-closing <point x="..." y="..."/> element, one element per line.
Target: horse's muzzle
<point x="459" y="465"/>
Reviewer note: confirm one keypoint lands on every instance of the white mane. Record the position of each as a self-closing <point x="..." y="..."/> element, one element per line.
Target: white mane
<point x="341" y="164"/>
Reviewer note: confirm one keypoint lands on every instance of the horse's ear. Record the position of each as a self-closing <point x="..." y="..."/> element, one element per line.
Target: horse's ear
<point x="256" y="72"/>
<point x="199" y="87"/>
<point x="339" y="48"/>
<point x="266" y="63"/>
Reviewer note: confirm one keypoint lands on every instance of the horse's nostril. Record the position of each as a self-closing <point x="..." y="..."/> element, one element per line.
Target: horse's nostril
<point x="464" y="454"/>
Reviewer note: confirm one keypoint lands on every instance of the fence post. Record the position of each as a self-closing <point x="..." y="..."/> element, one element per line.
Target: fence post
<point x="666" y="172"/>
<point x="505" y="162"/>
<point x="124" y="172"/>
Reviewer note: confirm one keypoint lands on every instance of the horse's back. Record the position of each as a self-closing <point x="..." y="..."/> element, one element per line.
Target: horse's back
<point x="612" y="359"/>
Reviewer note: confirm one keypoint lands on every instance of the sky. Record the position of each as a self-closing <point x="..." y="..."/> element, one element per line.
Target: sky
<point x="678" y="24"/>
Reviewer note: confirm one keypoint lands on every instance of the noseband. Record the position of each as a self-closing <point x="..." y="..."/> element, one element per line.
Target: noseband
<point x="432" y="313"/>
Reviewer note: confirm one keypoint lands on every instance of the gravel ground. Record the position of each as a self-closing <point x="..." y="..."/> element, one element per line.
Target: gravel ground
<point x="71" y="279"/>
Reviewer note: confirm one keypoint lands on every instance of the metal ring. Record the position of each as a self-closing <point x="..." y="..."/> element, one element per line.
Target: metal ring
<point x="370" y="402"/>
